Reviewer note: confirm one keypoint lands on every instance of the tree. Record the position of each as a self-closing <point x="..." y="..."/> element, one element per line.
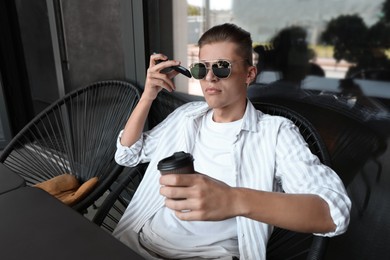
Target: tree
<point x="347" y="33"/>
<point x="354" y="42"/>
<point x="386" y="11"/>
<point x="193" y="10"/>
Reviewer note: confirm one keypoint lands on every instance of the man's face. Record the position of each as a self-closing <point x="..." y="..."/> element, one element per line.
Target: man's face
<point x="227" y="94"/>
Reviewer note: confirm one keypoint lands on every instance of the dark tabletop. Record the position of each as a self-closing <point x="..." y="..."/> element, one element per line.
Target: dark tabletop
<point x="9" y="180"/>
<point x="35" y="225"/>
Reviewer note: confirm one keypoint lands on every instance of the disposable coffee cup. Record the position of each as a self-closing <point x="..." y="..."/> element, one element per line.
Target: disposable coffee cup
<point x="179" y="162"/>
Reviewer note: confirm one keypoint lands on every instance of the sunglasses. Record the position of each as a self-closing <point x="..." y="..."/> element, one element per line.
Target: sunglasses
<point x="220" y="68"/>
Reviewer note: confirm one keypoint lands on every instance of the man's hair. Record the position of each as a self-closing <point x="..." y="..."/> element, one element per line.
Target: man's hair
<point x="230" y="33"/>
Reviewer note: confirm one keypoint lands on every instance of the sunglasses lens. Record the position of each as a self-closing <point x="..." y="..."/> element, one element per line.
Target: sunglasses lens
<point x="221" y="69"/>
<point x="198" y="70"/>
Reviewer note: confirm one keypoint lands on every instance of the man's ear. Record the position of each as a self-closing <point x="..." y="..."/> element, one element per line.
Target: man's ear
<point x="251" y="76"/>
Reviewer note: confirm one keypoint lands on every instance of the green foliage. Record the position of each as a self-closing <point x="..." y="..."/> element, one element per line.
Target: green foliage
<point x="193" y="10"/>
<point x="325" y="51"/>
<point x="354" y="42"/>
<point x="379" y="35"/>
<point x="386" y="11"/>
<point x="348" y="34"/>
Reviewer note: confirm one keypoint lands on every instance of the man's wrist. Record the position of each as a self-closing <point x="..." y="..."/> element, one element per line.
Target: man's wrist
<point x="146" y="99"/>
<point x="240" y="199"/>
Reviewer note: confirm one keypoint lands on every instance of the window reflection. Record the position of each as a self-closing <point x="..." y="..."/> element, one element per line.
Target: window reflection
<point x="341" y="35"/>
<point x="328" y="60"/>
<point x="312" y="44"/>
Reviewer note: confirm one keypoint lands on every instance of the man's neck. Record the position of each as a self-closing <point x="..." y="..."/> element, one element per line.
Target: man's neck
<point x="223" y="115"/>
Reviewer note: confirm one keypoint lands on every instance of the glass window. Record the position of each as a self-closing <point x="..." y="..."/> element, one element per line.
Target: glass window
<point x="5" y="131"/>
<point x="328" y="60"/>
<point x="337" y="48"/>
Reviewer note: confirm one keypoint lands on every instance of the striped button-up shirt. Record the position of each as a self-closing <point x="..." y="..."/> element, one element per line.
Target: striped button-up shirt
<point x="269" y="153"/>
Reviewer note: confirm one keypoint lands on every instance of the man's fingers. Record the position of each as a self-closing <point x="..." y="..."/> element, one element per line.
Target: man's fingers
<point x="182" y="180"/>
<point x="155" y="57"/>
<point x="163" y="83"/>
<point x="182" y="204"/>
<point x="175" y="192"/>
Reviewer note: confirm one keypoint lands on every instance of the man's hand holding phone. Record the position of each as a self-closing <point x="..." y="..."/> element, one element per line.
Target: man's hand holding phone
<point x="156" y="80"/>
<point x="177" y="68"/>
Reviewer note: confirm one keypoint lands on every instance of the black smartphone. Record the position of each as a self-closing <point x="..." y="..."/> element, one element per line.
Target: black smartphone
<point x="178" y="68"/>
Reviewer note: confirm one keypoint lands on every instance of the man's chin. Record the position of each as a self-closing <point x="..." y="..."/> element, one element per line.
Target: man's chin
<point x="212" y="102"/>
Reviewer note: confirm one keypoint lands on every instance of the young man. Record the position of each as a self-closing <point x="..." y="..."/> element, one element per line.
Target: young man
<point x="242" y="157"/>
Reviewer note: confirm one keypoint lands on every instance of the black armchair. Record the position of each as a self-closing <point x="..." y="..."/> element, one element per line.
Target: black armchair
<point x="75" y="135"/>
<point x="283" y="244"/>
<point x="121" y="192"/>
<point x="286" y="244"/>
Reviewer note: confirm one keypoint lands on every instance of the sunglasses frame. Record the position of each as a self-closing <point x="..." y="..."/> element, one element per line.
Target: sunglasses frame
<point x="211" y="64"/>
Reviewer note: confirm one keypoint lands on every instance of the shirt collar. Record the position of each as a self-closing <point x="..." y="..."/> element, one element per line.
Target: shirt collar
<point x="250" y="118"/>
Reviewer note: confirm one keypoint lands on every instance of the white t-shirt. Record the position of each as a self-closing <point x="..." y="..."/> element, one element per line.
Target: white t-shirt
<point x="170" y="237"/>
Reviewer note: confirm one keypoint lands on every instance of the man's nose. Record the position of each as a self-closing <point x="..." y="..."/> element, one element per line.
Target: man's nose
<point x="210" y="75"/>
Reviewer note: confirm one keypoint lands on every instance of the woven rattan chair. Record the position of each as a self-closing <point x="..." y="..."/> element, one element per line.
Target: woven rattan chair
<point x="283" y="244"/>
<point x="165" y="103"/>
<point x="75" y="135"/>
<point x="123" y="189"/>
<point x="286" y="244"/>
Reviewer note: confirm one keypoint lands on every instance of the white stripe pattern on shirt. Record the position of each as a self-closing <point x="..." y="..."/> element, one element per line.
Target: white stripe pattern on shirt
<point x="268" y="151"/>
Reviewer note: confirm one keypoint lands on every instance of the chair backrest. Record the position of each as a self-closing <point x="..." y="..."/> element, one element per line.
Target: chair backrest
<point x="286" y="244"/>
<point x="283" y="244"/>
<point x="75" y="135"/>
<point x="306" y="128"/>
<point x="350" y="135"/>
<point x="165" y="104"/>
<point x="123" y="189"/>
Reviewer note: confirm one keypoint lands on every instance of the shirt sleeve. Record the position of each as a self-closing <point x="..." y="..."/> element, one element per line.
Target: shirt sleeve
<point x="302" y="172"/>
<point x="128" y="156"/>
<point x="146" y="146"/>
<point x="142" y="150"/>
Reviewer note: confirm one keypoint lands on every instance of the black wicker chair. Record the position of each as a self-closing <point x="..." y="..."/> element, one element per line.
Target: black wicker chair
<point x="75" y="135"/>
<point x="121" y="192"/>
<point x="165" y="103"/>
<point x="286" y="244"/>
<point x="283" y="244"/>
